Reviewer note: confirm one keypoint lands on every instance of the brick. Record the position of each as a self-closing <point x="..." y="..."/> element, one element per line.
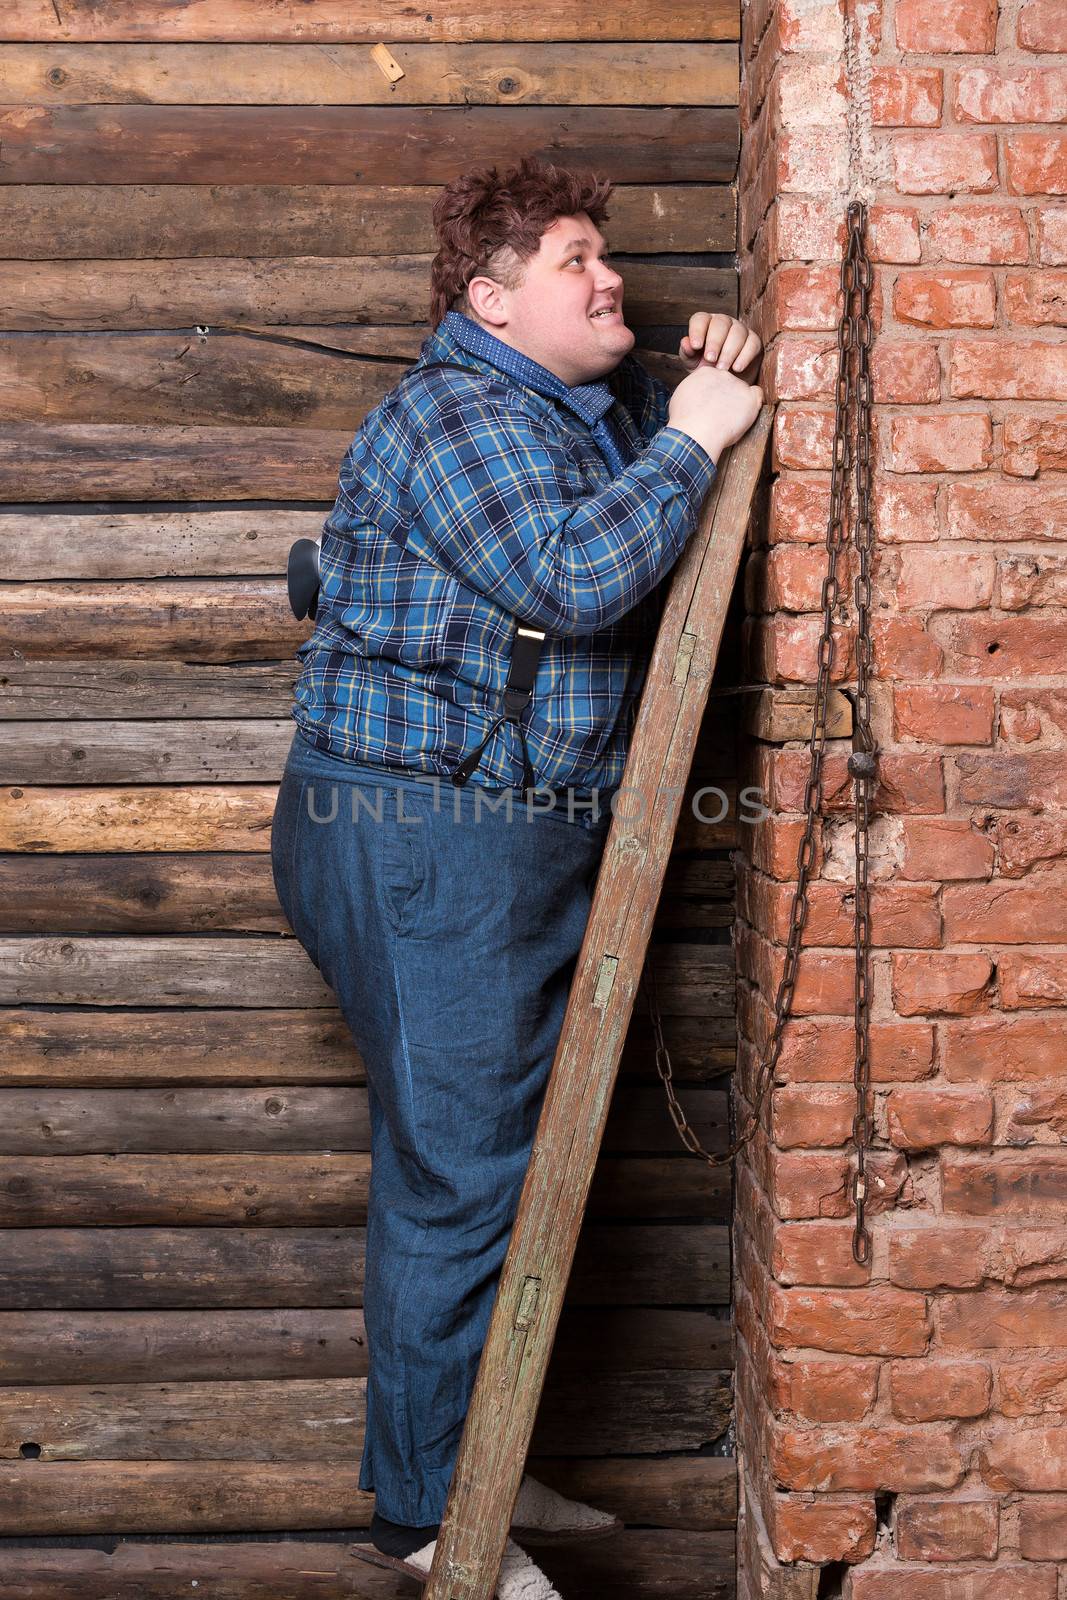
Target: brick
<point x="824" y="1052"/>
<point x="984" y="234"/>
<point x="1030" y="981"/>
<point x="907" y="97"/>
<point x="935" y="1391"/>
<point x="929" y="1529"/>
<point x="944" y="848"/>
<point x="944" y="163"/>
<point x="943" y="713"/>
<point x="1034" y="444"/>
<point x="1051" y="240"/>
<point x="963" y="298"/>
<point x="906" y="781"/>
<point x="824" y="977"/>
<point x="977" y="644"/>
<point x="1002" y="1582"/>
<point x="907" y="512"/>
<point x="806" y="1117"/>
<point x="812" y="160"/>
<point x="901" y="914"/>
<point x="950" y="442"/>
<point x="1026" y="1458"/>
<point x="817" y="1252"/>
<point x="1037" y="299"/>
<point x="1005" y="1182"/>
<point x="1037" y="94"/>
<point x="805" y="298"/>
<point x="1004" y="1319"/>
<point x="787" y="578"/>
<point x="884" y="1457"/>
<point x="941" y="984"/>
<point x="1036" y="163"/>
<point x="825" y="1391"/>
<point x="1042" y="26"/>
<point x="920" y="1118"/>
<point x="1024" y="842"/>
<point x="904" y="649"/>
<point x="800" y="508"/>
<point x="1043" y="1527"/>
<point x="905" y="374"/>
<point x="1032" y="1388"/>
<point x="1007" y="913"/>
<point x="942" y="1256"/>
<point x="1039" y="1116"/>
<point x="817" y="1183"/>
<point x="800" y="369"/>
<point x="1001" y="369"/>
<point x="893" y="234"/>
<point x="822" y="1530"/>
<point x="803" y="438"/>
<point x="937" y="579"/>
<point x="880" y="1321"/>
<point x="955" y="27"/>
<point x="1018" y="778"/>
<point x="782" y="649"/>
<point x="808" y="230"/>
<point x="1035" y="580"/>
<point x="1004" y="1050"/>
<point x="1047" y="706"/>
<point x="992" y="509"/>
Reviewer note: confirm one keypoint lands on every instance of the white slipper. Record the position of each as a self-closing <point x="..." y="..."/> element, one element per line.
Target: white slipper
<point x="520" y="1578"/>
<point x="543" y="1516"/>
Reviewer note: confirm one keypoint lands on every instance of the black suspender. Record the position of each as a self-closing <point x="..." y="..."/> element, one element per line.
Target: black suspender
<point x="526" y="642"/>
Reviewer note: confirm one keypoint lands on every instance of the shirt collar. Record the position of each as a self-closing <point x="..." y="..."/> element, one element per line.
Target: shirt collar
<point x="588" y="401"/>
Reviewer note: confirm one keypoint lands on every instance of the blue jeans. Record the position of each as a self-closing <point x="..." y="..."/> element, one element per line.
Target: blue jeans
<point x="449" y="936"/>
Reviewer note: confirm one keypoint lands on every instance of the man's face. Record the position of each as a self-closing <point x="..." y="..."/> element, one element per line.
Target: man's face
<point x="567" y="311"/>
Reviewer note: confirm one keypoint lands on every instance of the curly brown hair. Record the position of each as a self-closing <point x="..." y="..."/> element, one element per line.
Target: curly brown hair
<point x="492" y="224"/>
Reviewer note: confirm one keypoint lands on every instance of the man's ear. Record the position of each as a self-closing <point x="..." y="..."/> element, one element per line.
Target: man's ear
<point x="486" y="300"/>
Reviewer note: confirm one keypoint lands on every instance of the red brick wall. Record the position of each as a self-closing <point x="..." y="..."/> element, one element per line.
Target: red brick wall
<point x="909" y="1419"/>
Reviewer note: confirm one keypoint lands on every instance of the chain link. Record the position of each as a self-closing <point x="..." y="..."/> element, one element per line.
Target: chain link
<point x="851" y="468"/>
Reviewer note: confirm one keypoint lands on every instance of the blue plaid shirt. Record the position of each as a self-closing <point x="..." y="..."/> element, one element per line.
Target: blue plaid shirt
<point x="466" y="502"/>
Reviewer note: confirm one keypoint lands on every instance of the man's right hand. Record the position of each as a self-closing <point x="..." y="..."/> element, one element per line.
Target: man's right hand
<point x="714" y="407"/>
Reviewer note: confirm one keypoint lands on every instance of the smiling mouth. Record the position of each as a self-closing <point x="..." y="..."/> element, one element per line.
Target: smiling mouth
<point x="605" y="311"/>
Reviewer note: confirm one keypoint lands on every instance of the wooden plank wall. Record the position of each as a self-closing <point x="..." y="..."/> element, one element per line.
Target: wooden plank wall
<point x="183" y="1120"/>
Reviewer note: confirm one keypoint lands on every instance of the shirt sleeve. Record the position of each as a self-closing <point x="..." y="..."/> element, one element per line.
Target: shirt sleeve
<point x="497" y="500"/>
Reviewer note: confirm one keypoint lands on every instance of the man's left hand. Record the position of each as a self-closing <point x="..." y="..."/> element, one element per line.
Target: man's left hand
<point x="719" y="341"/>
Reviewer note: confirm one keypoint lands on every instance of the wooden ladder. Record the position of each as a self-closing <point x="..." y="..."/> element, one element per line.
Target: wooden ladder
<point x="533" y="1281"/>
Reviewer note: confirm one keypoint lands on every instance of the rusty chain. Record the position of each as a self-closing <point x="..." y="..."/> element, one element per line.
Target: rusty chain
<point x="851" y="455"/>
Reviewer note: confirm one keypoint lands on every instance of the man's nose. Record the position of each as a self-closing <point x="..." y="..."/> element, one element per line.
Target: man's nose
<point x="608" y="280"/>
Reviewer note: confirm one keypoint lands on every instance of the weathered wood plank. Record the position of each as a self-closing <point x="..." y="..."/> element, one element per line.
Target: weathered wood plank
<point x="182" y="1346"/>
<point x="165" y="970"/>
<point x="212" y="817"/>
<point x="308" y="1419"/>
<point x="177" y="379"/>
<point x="236" y="619"/>
<point x="358" y="21"/>
<point x="107" y="1123"/>
<point x="434" y="74"/>
<point x="134" y="221"/>
<point x="42" y="1047"/>
<point x="181" y="379"/>
<point x="187" y="751"/>
<point x="145" y="1268"/>
<point x="235" y="894"/>
<point x="308" y="292"/>
<point x="639" y="1563"/>
<point x="373" y="144"/>
<point x="85" y="691"/>
<point x="288" y="1190"/>
<point x="95" y="461"/>
<point x="252" y="541"/>
<point x="115" y="1497"/>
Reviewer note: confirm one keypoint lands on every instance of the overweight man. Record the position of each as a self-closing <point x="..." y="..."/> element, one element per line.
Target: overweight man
<point x="438" y="834"/>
